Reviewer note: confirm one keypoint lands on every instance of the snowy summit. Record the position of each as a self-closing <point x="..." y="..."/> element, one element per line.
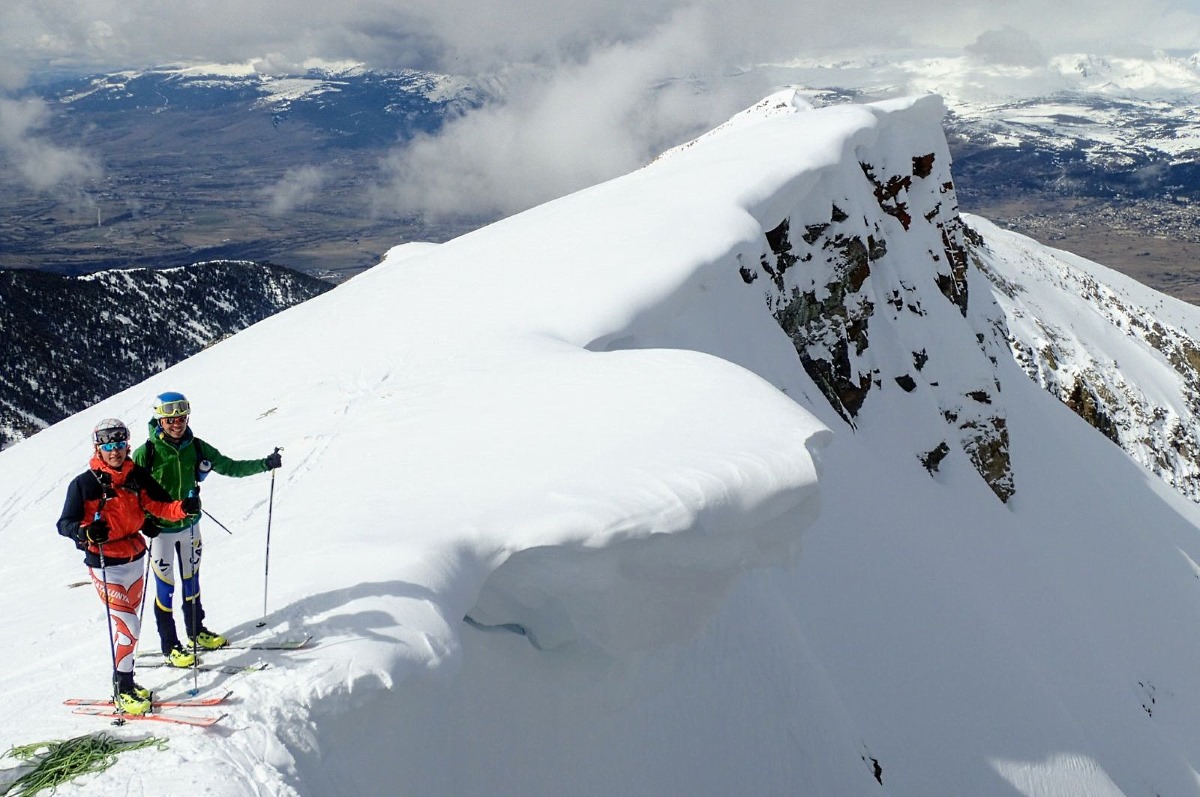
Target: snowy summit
<point x="717" y="478"/>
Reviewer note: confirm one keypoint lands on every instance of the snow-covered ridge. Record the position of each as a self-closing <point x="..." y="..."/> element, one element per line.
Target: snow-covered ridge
<point x="1125" y="358"/>
<point x="1116" y="110"/>
<point x="538" y="398"/>
<point x="729" y="466"/>
<point x="970" y="79"/>
<point x="279" y="86"/>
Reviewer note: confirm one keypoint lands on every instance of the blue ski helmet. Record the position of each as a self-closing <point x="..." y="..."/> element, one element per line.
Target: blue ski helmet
<point x="171" y="405"/>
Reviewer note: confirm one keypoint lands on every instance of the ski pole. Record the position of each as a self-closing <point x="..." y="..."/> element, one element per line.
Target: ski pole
<point x="145" y="583"/>
<point x="214" y="520"/>
<point x="267" y="558"/>
<point x="112" y="640"/>
<point x="195" y="632"/>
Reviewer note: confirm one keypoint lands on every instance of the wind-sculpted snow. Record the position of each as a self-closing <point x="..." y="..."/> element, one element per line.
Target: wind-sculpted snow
<point x="553" y="425"/>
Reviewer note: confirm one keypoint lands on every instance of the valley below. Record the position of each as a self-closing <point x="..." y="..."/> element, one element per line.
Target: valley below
<point x="188" y="168"/>
<point x="1156" y="242"/>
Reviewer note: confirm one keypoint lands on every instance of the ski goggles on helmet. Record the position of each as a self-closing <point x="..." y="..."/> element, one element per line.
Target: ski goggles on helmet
<point x="109" y="437"/>
<point x="118" y="445"/>
<point x="173" y="409"/>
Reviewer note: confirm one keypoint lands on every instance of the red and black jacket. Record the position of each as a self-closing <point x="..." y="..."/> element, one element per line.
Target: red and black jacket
<point x="122" y="497"/>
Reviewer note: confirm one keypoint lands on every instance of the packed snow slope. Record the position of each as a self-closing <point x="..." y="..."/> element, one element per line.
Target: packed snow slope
<point x="550" y="509"/>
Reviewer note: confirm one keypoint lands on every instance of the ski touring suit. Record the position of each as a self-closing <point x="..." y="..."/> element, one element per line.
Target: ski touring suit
<point x="180" y="467"/>
<point x="122" y="497"/>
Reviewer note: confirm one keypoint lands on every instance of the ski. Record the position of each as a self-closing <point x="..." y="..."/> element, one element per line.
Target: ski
<point x="278" y="644"/>
<point x="119" y="718"/>
<point x="228" y="669"/>
<point x="182" y="702"/>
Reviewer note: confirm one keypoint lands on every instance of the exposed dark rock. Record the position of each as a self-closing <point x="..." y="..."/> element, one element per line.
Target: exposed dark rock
<point x="781" y="246"/>
<point x="923" y="165"/>
<point x="1084" y="402"/>
<point x="987" y="445"/>
<point x="888" y="194"/>
<point x="932" y="460"/>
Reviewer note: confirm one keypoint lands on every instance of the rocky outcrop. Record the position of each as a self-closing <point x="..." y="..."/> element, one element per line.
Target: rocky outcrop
<point x="888" y="260"/>
<point x="1076" y="355"/>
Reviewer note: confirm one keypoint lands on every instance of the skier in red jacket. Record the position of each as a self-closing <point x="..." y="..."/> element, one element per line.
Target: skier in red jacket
<point x="104" y="512"/>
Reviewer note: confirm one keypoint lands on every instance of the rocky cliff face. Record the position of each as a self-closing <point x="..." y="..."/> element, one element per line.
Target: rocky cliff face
<point x="873" y="284"/>
<point x="884" y="288"/>
<point x="71" y="341"/>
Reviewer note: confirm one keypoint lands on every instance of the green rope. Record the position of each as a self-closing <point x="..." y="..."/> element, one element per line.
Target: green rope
<point x="65" y="761"/>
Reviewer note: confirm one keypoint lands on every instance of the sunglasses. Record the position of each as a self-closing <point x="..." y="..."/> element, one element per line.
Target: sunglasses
<point x="175" y="419"/>
<point x="119" y="445"/>
<point x="173" y="409"/>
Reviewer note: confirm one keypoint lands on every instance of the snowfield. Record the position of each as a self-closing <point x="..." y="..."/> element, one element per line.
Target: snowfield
<point x="565" y="514"/>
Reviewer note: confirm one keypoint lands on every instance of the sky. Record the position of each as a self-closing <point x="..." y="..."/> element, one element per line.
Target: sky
<point x="583" y="91"/>
<point x="105" y="34"/>
<point x="686" y="573"/>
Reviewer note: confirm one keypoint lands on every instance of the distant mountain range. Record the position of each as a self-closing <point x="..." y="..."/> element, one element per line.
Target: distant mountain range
<point x="350" y="108"/>
<point x="72" y="341"/>
<point x="1096" y="155"/>
<point x="1090" y="154"/>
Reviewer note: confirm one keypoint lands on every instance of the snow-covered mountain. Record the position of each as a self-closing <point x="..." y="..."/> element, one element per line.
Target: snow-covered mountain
<point x="359" y="106"/>
<point x="730" y="466"/>
<point x="71" y="341"/>
<point x="1126" y="359"/>
<point x="1072" y="124"/>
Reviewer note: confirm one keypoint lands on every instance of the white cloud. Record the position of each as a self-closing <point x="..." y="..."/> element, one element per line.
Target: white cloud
<point x="591" y="89"/>
<point x="565" y="127"/>
<point x="464" y="36"/>
<point x="296" y="188"/>
<point x="39" y="163"/>
<point x="1009" y="46"/>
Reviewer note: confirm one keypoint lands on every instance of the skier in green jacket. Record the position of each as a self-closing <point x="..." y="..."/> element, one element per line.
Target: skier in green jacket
<point x="179" y="461"/>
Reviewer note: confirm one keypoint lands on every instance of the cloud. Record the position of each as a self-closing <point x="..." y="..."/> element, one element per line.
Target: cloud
<point x="582" y="91"/>
<point x="1008" y="46"/>
<point x="567" y="126"/>
<point x="12" y="76"/>
<point x="465" y="36"/>
<point x="40" y="164"/>
<point x="297" y="187"/>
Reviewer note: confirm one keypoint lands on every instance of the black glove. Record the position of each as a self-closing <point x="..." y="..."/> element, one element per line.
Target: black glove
<point x="97" y="532"/>
<point x="191" y="505"/>
<point x="274" y="460"/>
<point x="151" y="529"/>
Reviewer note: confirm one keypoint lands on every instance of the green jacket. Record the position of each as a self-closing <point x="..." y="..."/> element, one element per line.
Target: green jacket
<point x="175" y="467"/>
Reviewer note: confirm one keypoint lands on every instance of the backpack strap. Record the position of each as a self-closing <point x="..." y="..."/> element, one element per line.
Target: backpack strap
<point x="199" y="457"/>
<point x="105" y="486"/>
